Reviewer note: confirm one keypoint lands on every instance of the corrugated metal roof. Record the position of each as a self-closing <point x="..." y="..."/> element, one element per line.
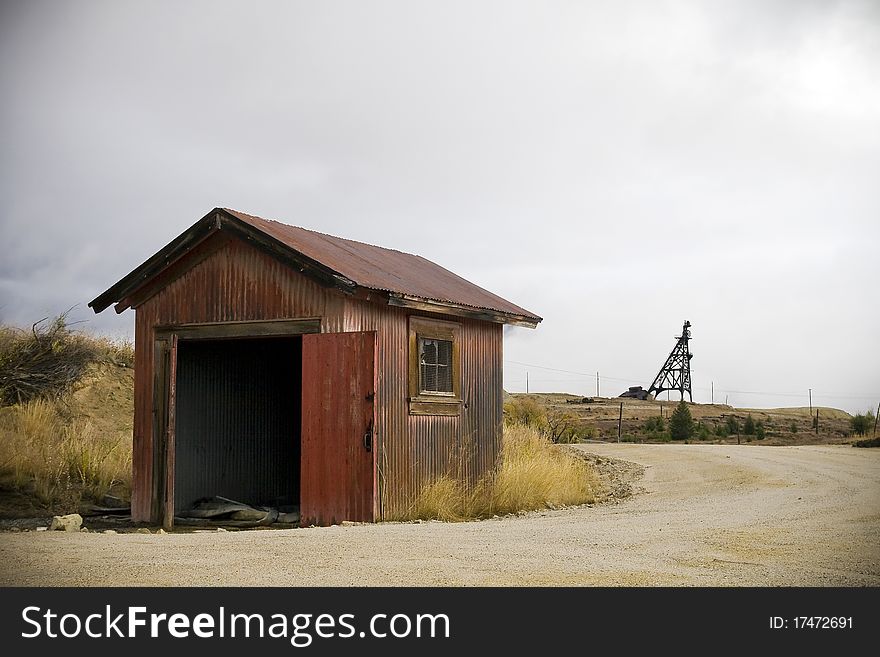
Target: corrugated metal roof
<point x="386" y="270"/>
<point x="406" y="279"/>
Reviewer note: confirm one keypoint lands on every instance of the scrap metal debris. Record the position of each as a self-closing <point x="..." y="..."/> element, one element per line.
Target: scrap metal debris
<point x="223" y="511"/>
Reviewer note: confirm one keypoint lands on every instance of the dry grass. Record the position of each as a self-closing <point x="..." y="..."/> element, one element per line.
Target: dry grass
<point x="59" y="459"/>
<point x="532" y="473"/>
<point x="48" y="359"/>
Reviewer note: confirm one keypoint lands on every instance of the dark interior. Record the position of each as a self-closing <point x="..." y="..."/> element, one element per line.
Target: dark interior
<point x="237" y="429"/>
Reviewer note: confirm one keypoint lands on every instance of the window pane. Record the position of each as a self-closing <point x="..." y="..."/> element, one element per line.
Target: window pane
<point x="435" y="365"/>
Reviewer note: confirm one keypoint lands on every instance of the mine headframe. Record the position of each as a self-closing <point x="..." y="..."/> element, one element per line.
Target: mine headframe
<point x="676" y="371"/>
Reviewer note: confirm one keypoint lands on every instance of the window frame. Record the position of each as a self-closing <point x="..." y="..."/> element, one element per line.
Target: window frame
<point x="424" y="402"/>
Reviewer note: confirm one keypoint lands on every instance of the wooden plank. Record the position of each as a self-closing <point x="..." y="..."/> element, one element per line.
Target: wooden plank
<point x="243" y="329"/>
<point x="434" y="408"/>
<point x="161" y="352"/>
<point x="448" y="308"/>
<point x="338" y="467"/>
<point x="168" y="517"/>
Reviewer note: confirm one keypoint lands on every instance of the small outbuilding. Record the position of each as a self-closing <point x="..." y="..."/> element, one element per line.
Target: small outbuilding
<point x="279" y="366"/>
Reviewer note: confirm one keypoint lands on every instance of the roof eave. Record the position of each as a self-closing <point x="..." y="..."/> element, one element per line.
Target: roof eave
<point x="449" y="308"/>
<point x="218" y="219"/>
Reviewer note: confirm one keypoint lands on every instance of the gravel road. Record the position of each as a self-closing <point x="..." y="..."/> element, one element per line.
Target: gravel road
<point x="705" y="515"/>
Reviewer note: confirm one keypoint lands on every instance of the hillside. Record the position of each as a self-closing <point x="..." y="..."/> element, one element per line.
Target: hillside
<point x="598" y="417"/>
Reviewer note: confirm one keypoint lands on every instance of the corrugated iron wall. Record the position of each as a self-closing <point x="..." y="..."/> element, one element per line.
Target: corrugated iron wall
<point x="416" y="449"/>
<point x="240" y="283"/>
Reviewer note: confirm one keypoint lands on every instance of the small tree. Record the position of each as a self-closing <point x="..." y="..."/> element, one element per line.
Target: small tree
<point x="760" y="433"/>
<point x="862" y="423"/>
<point x="794" y="427"/>
<point x="681" y="424"/>
<point x="732" y="425"/>
<point x="702" y="431"/>
<point x="749" y="426"/>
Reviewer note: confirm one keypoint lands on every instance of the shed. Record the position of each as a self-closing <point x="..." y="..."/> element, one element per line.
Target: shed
<point x="276" y="365"/>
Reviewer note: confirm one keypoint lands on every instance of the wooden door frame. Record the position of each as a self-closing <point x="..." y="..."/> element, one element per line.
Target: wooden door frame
<point x="165" y="341"/>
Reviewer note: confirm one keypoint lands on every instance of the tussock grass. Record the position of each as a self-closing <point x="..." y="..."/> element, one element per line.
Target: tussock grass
<point x="532" y="473"/>
<point x="47" y="360"/>
<point x="60" y="459"/>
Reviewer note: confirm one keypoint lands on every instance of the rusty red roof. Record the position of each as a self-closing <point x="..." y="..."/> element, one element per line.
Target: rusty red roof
<point x="408" y="280"/>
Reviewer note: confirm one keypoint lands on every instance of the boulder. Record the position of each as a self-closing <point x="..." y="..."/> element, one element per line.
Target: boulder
<point x="69" y="523"/>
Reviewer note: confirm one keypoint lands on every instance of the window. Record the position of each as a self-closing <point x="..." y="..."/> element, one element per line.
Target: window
<point x="435" y="366"/>
<point x="434" y="372"/>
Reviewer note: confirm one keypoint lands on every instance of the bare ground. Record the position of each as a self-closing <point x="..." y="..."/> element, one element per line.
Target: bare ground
<point x="706" y="515"/>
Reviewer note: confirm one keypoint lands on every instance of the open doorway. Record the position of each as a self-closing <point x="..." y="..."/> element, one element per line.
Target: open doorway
<point x="238" y="421"/>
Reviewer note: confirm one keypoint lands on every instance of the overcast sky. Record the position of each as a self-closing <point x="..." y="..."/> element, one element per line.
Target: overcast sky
<point x="615" y="167"/>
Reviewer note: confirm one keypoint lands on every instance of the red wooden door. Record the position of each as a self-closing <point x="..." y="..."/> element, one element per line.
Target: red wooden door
<point x="338" y="462"/>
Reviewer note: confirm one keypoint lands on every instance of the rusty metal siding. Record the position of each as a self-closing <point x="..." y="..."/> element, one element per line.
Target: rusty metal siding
<point x="416" y="449"/>
<point x="236" y="283"/>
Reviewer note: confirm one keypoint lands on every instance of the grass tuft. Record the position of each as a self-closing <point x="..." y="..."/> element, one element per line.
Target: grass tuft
<point x="532" y="473"/>
<point x="61" y="460"/>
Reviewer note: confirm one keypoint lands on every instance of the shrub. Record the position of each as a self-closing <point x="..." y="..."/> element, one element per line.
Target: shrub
<point x="681" y="424"/>
<point x="760" y="434"/>
<point x="732" y="425"/>
<point x="793" y="427"/>
<point x="525" y="411"/>
<point x="862" y="423"/>
<point x="749" y="426"/>
<point x="47" y="360"/>
<point x="702" y="431"/>
<point x="721" y="430"/>
<point x="654" y="424"/>
<point x="532" y="473"/>
<point x="562" y="426"/>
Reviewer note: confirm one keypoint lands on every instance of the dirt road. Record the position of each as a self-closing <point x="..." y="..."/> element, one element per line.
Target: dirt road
<point x="709" y="515"/>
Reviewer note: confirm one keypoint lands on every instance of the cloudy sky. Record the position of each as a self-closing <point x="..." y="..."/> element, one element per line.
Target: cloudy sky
<point x="614" y="167"/>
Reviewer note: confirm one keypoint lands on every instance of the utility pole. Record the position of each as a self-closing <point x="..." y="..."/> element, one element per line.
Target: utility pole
<point x="713" y="392"/>
<point x="875" y="420"/>
<point x="620" y="422"/>
<point x="597" y="384"/>
<point x="527" y="383"/>
<point x="811" y="402"/>
<point x="817" y="421"/>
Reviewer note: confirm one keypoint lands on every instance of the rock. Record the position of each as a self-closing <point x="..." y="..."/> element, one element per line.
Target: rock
<point x="69" y="523"/>
<point x="85" y="529"/>
<point x="221" y="529"/>
<point x="144" y="530"/>
<point x="347" y="523"/>
<point x="15" y="529"/>
<point x="109" y="531"/>
<point x="161" y="531"/>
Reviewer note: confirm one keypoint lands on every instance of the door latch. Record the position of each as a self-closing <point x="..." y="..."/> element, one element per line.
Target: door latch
<point x="368" y="438"/>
